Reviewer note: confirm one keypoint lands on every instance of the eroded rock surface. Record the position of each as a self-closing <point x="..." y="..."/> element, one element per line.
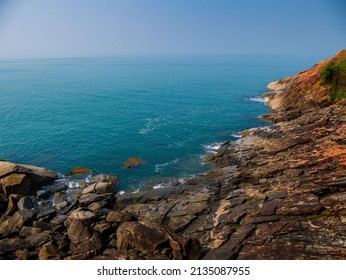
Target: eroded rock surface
<point x="279" y="192"/>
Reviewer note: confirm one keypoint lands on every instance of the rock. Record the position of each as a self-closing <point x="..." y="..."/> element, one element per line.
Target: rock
<point x="7" y="168"/>
<point x="3" y="202"/>
<point x="38" y="176"/>
<point x="82" y="185"/>
<point x="46" y="215"/>
<point x="151" y="240"/>
<point x="52" y="189"/>
<point x="61" y="205"/>
<point x="12" y="244"/>
<point x="82" y="215"/>
<point x="97" y="205"/>
<point x="12" y="204"/>
<point x="78" y="170"/>
<point x="15" y="184"/>
<point x="34" y="241"/>
<point x="103" y="228"/>
<point x="43" y="225"/>
<point x="89" y="198"/>
<point x="48" y="252"/>
<point x="132" y="162"/>
<point x="21" y="218"/>
<point x="60" y="219"/>
<point x="24" y="254"/>
<point x="119" y="217"/>
<point x="145" y="240"/>
<point x="25" y="203"/>
<point x="28" y="231"/>
<point x="78" y="232"/>
<point x="19" y="178"/>
<point x="99" y="188"/>
<point x="5" y="230"/>
<point x="83" y="238"/>
<point x="104" y="178"/>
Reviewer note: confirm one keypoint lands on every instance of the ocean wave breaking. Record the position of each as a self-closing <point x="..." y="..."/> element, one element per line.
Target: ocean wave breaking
<point x="258" y="99"/>
<point x="169" y="184"/>
<point x="212" y="148"/>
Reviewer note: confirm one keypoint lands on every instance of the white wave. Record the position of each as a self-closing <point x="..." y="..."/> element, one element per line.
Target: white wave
<point x="150" y="125"/>
<point x="259" y="99"/>
<point x="169" y="184"/>
<point x="160" y="166"/>
<point x="212" y="148"/>
<point x="236" y="135"/>
<point x="136" y="191"/>
<point x="121" y="193"/>
<point x="159" y="186"/>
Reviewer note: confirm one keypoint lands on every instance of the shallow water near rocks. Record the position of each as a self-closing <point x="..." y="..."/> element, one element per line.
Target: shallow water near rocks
<point x="167" y="110"/>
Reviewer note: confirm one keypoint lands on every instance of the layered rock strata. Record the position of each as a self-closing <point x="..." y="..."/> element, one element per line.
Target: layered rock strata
<point x="279" y="192"/>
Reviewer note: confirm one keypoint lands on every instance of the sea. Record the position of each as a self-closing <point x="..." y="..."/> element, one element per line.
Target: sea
<point x="170" y="111"/>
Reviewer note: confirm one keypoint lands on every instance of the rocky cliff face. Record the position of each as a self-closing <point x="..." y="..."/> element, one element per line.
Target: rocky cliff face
<point x="279" y="192"/>
<point x="302" y="91"/>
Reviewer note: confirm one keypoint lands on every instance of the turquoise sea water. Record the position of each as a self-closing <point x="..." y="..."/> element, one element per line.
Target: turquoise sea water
<point x="97" y="112"/>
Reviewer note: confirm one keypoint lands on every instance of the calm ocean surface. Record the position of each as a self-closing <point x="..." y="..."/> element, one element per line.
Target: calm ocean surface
<point x="97" y="112"/>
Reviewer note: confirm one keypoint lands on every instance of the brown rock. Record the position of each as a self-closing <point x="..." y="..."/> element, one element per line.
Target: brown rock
<point x="89" y="198"/>
<point x="131" y="162"/>
<point x="38" y="176"/>
<point x="78" y="232"/>
<point x="48" y="251"/>
<point x="146" y="240"/>
<point x="78" y="170"/>
<point x="12" y="244"/>
<point x="15" y="184"/>
<point x="20" y="219"/>
<point x="12" y="204"/>
<point x="103" y="228"/>
<point x="28" y="231"/>
<point x="6" y="168"/>
<point x="104" y="178"/>
<point x="119" y="217"/>
<point x="82" y="215"/>
<point x="99" y="188"/>
<point x="38" y="239"/>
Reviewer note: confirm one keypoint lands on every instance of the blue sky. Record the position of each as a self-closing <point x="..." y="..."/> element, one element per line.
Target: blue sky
<point x="77" y="28"/>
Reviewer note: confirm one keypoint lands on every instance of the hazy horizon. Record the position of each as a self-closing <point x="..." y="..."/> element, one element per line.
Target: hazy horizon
<point x="77" y="29"/>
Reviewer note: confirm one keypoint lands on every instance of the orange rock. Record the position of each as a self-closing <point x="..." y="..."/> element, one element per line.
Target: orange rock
<point x="78" y="170"/>
<point x="131" y="162"/>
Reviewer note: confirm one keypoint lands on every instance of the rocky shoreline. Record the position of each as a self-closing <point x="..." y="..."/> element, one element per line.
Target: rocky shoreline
<point x="279" y="192"/>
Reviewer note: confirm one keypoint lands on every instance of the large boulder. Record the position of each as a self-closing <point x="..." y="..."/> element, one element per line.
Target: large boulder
<point x="152" y="240"/>
<point x="15" y="184"/>
<point x="21" y="178"/>
<point x="85" y="241"/>
<point x="99" y="188"/>
<point x="20" y="219"/>
<point x="38" y="176"/>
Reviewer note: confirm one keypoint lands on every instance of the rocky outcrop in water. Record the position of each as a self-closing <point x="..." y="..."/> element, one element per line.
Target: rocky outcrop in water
<point x="279" y="192"/>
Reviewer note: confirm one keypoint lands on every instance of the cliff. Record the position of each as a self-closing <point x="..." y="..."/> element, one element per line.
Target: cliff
<point x="279" y="192"/>
<point x="304" y="90"/>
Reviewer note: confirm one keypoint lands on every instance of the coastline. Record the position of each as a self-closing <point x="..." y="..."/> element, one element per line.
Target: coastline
<point x="275" y="193"/>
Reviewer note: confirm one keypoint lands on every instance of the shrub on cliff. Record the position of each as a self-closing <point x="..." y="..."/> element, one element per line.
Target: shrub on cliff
<point x="334" y="74"/>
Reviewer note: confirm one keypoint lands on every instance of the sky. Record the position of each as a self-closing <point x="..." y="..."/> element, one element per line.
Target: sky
<point x="81" y="28"/>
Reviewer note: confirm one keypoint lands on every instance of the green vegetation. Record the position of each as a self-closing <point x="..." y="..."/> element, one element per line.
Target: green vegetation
<point x="334" y="74"/>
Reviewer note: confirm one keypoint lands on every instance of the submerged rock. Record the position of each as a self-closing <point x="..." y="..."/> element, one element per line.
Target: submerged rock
<point x="78" y="170"/>
<point x="132" y="162"/>
<point x="276" y="193"/>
